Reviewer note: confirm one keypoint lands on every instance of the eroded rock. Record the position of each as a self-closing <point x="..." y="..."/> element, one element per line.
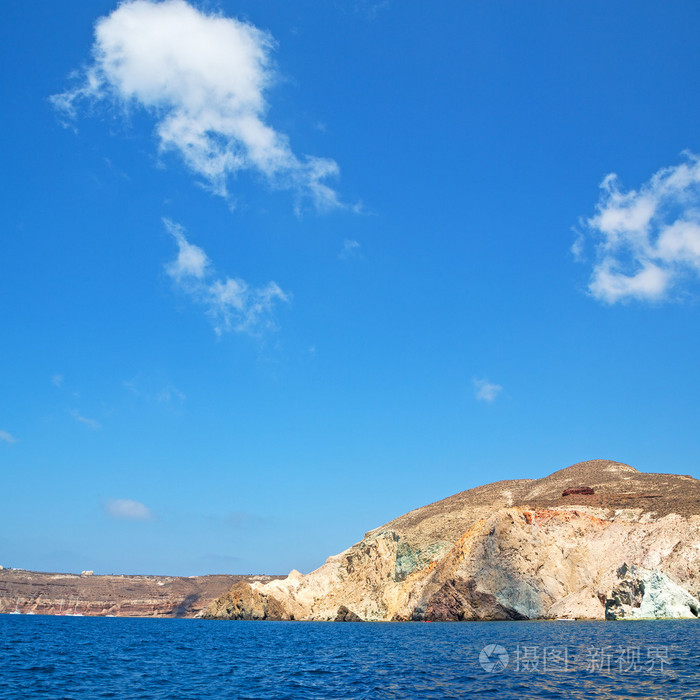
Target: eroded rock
<point x="579" y="491"/>
<point x="648" y="594"/>
<point x="345" y="615"/>
<point x="509" y="550"/>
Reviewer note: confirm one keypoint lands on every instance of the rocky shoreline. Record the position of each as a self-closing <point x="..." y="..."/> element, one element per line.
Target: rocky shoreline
<point x="597" y="540"/>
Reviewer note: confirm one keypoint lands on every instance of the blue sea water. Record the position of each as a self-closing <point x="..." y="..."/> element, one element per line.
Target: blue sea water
<point x="89" y="657"/>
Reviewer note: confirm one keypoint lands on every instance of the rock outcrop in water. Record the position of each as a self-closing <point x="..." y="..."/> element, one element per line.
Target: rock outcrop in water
<point x="510" y="550"/>
<point x="641" y="595"/>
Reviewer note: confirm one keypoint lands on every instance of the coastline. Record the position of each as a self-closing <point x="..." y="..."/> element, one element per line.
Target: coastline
<point x="119" y="595"/>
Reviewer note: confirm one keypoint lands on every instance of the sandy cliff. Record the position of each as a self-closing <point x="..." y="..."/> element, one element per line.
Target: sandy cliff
<point x="619" y="544"/>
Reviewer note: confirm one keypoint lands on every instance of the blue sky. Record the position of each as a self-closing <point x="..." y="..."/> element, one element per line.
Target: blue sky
<point x="273" y="273"/>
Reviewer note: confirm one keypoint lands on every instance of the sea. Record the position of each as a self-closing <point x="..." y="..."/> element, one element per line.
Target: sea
<point x="98" y="657"/>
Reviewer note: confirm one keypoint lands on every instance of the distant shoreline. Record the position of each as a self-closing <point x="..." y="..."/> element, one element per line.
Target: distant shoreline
<point x="120" y="595"/>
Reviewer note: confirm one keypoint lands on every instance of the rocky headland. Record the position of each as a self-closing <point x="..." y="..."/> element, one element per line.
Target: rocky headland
<point x="41" y="593"/>
<point x="597" y="540"/>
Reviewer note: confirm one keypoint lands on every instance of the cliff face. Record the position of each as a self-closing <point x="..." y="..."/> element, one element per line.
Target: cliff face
<point x="507" y="551"/>
<point x="132" y="596"/>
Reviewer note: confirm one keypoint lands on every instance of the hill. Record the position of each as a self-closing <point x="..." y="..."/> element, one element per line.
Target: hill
<point x="597" y="539"/>
<point x="121" y="596"/>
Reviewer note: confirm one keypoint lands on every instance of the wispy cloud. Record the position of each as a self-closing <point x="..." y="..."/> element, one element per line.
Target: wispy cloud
<point x="126" y="509"/>
<point x="646" y="242"/>
<point x="7" y="437"/>
<point x="349" y="249"/>
<point x="150" y="390"/>
<point x="230" y="302"/>
<point x="89" y="422"/>
<point x="370" y="8"/>
<point x="57" y="380"/>
<point x="203" y="78"/>
<point x="169" y="394"/>
<point x="485" y="390"/>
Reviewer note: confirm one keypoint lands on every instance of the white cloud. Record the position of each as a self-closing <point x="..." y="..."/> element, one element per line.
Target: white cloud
<point x="6" y="437"/>
<point x="89" y="422"/>
<point x="125" y="509"/>
<point x="350" y="248"/>
<point x="57" y="380"/>
<point x="484" y="390"/>
<point x="230" y="302"/>
<point x="191" y="261"/>
<point x="203" y="78"/>
<point x="646" y="242"/>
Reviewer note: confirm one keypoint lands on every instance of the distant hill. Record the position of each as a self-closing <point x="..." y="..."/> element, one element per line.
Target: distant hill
<point x="133" y="596"/>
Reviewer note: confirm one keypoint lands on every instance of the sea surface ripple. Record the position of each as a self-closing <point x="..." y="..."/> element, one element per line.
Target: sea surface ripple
<point x="88" y="657"/>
